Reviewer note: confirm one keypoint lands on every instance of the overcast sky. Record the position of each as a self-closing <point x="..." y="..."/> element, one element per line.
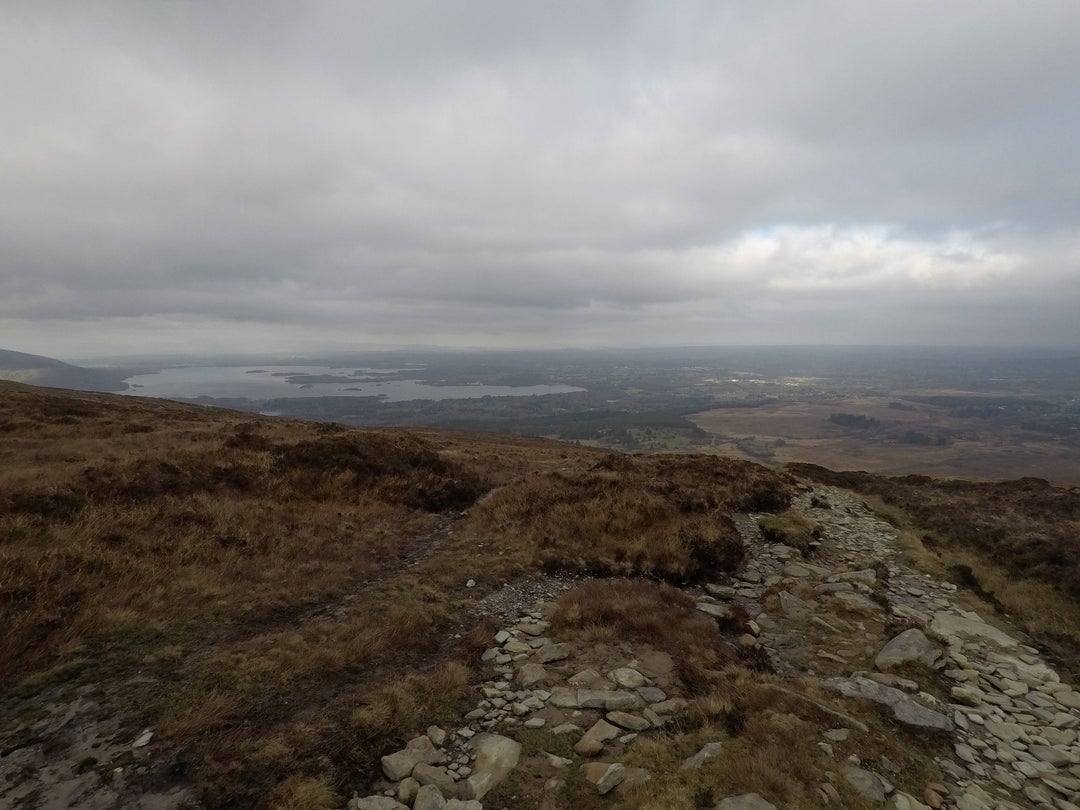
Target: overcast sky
<point x="185" y="176"/>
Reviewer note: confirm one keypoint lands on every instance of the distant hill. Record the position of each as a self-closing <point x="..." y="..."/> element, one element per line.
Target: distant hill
<point x="45" y="371"/>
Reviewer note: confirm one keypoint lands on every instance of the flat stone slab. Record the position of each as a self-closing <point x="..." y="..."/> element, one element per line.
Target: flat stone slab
<point x="604" y="776"/>
<point x="552" y="652"/>
<point x="707" y="751"/>
<point x="716" y="611"/>
<point x="627" y="678"/>
<point x="904" y="709"/>
<point x="856" y="602"/>
<point x="866" y="784"/>
<point x="949" y="626"/>
<point x="614" y="700"/>
<point x="631" y="722"/>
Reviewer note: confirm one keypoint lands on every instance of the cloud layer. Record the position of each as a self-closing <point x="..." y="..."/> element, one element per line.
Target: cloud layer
<point x="248" y="176"/>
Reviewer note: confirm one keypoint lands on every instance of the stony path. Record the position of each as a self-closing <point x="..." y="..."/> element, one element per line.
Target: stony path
<point x="1014" y="724"/>
<point x="850" y="614"/>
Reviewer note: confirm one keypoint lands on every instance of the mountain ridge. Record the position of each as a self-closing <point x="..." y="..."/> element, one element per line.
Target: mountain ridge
<point x="48" y="372"/>
<point x="208" y="608"/>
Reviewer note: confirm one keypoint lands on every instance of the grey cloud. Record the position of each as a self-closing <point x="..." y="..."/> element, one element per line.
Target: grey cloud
<point x="503" y="174"/>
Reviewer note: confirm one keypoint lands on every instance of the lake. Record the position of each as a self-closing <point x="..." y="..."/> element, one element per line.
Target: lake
<point x="275" y="382"/>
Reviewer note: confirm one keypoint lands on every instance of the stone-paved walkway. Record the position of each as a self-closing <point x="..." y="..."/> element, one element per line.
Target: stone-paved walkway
<point x="1014" y="724"/>
<point x="850" y="615"/>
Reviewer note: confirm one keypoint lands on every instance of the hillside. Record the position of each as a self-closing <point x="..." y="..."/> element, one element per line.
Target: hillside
<point x="45" y="371"/>
<point x="207" y="608"/>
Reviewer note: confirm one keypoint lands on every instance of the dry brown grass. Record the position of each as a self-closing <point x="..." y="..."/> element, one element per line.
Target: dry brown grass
<point x="658" y="615"/>
<point x="790" y="528"/>
<point x="276" y="579"/>
<point x="657" y="516"/>
<point x="770" y="746"/>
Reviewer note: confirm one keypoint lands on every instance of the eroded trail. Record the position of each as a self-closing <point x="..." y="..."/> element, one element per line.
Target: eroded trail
<point x="891" y="659"/>
<point x="876" y="630"/>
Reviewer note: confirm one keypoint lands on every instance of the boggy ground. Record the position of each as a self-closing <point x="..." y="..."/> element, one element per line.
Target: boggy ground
<point x="206" y="609"/>
<point x="201" y="606"/>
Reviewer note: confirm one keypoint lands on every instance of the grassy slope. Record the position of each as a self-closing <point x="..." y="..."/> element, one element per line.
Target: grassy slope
<point x="255" y="588"/>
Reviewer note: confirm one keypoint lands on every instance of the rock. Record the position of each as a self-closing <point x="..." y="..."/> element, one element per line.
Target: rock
<point x="431" y="775"/>
<point x="837" y="734"/>
<point x="720" y="591"/>
<point x="652" y="694"/>
<point x="967" y="695"/>
<point x="670" y="706"/>
<point x="377" y="803"/>
<point x="567" y="728"/>
<point x="588" y="747"/>
<point x="948" y="626"/>
<point x="912" y="713"/>
<point x="496" y="756"/>
<point x="564" y="698"/>
<point x="436" y="735"/>
<point x="911" y="646"/>
<point x="429" y="797"/>
<point x="589" y="678"/>
<point x="592" y="742"/>
<point x="607" y="700"/>
<point x="866" y="784"/>
<point x="856" y="603"/>
<point x="407" y="789"/>
<point x="534" y="628"/>
<point x="631" y="722"/>
<point x="1009" y="732"/>
<point x="531" y="674"/>
<point x="895" y="681"/>
<point x="461" y="804"/>
<point x="830" y="588"/>
<point x="1055" y="756"/>
<point x="866" y="576"/>
<point x="792" y="605"/>
<point x="627" y="678"/>
<point x="400" y="764"/>
<point x="707" y="751"/>
<point x="534" y="722"/>
<point x="516" y="647"/>
<point x="471" y="583"/>
<point x="556" y="761"/>
<point x="553" y="652"/>
<point x="604" y="776"/>
<point x="933" y="798"/>
<point x="903" y="801"/>
<point x="971" y="802"/>
<point x="904" y="709"/>
<point x="1068" y="698"/>
<point x="722" y="612"/>
<point x="747" y="801"/>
